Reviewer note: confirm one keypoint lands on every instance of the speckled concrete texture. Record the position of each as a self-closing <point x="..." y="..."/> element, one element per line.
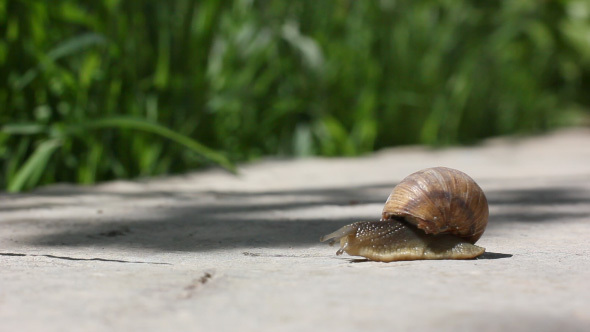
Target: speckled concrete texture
<point x="210" y="251"/>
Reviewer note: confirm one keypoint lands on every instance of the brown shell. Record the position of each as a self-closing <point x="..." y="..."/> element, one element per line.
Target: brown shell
<point x="440" y="200"/>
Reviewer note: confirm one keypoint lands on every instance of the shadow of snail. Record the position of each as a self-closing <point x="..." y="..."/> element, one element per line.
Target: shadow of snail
<point x="435" y="213"/>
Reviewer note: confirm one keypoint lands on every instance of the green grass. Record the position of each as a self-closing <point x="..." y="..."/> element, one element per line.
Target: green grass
<point x="96" y="90"/>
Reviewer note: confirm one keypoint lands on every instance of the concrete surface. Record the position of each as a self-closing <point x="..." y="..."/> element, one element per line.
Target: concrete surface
<point x="212" y="252"/>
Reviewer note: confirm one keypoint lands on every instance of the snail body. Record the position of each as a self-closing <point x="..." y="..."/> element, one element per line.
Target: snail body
<point x="435" y="213"/>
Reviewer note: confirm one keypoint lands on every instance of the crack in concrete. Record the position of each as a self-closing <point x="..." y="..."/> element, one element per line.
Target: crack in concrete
<point x="82" y="259"/>
<point x="256" y="254"/>
<point x="196" y="284"/>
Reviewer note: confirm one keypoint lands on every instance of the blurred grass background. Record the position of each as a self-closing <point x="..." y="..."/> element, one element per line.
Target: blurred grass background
<point x="103" y="89"/>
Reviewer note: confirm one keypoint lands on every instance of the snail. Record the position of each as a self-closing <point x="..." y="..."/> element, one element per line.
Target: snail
<point x="435" y="213"/>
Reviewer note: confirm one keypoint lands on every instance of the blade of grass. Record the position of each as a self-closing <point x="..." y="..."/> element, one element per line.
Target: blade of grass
<point x="76" y="44"/>
<point x="154" y="128"/>
<point x="23" y="129"/>
<point x="28" y="175"/>
<point x="70" y="46"/>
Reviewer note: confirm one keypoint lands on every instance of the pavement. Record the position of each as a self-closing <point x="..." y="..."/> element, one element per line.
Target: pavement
<point x="210" y="251"/>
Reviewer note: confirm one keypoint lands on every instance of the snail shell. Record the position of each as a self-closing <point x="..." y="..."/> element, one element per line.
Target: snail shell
<point x="435" y="213"/>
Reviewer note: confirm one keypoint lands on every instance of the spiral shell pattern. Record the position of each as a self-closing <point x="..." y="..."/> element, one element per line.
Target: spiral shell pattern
<point x="440" y="200"/>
